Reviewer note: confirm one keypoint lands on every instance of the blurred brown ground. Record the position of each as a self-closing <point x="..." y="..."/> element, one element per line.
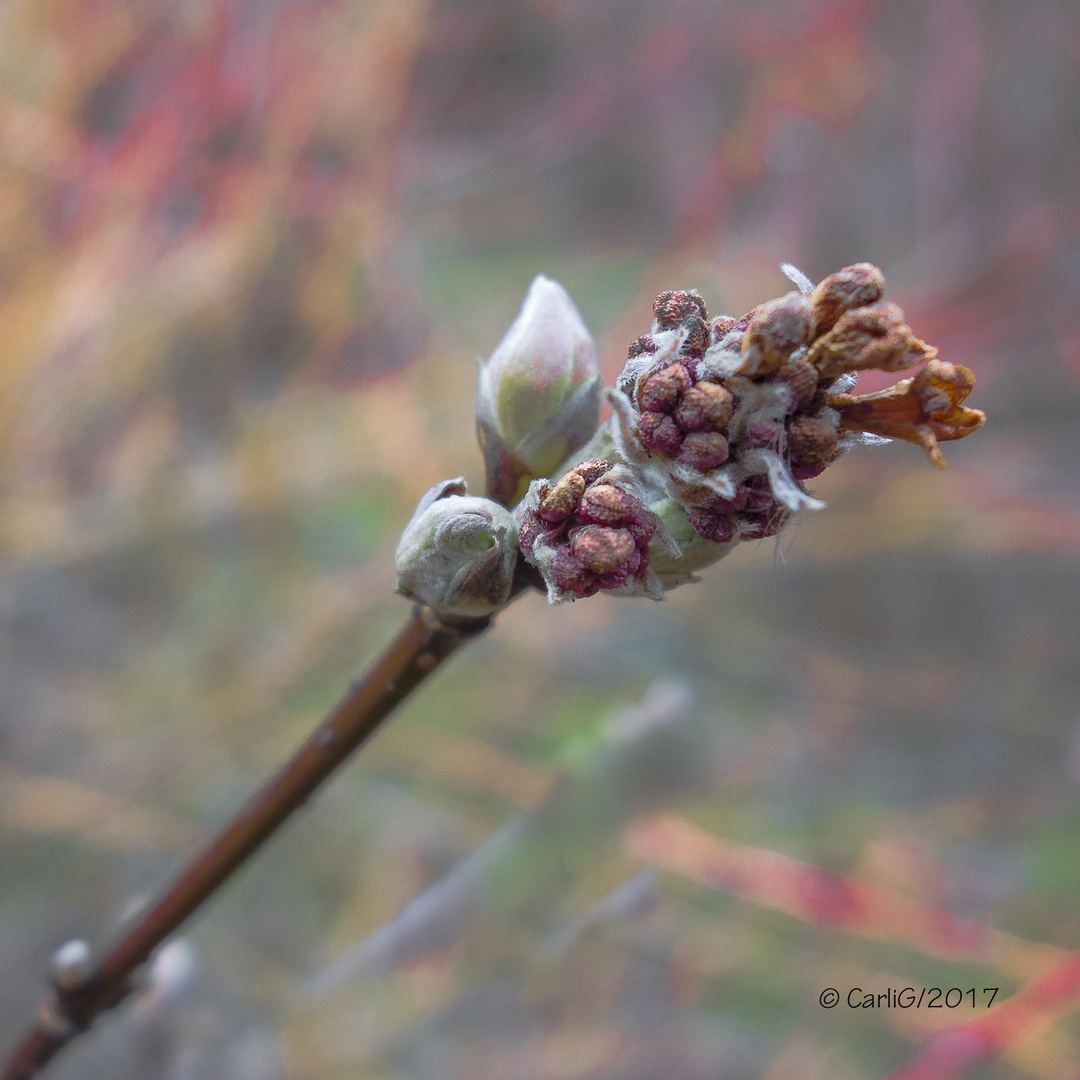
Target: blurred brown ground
<point x="249" y="255"/>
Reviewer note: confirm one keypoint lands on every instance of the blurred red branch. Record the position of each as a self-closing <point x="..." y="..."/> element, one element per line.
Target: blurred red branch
<point x="960" y="1051"/>
<point x="807" y="892"/>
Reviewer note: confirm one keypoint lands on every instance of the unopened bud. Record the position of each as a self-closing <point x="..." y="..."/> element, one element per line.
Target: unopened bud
<point x="538" y="395"/>
<point x="775" y="331"/>
<point x="589" y="532"/>
<point x="874" y="337"/>
<point x="458" y="552"/>
<point x="70" y="964"/>
<point x="856" y="286"/>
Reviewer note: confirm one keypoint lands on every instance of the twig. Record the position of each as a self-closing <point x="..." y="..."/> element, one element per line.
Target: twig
<point x="423" y="643"/>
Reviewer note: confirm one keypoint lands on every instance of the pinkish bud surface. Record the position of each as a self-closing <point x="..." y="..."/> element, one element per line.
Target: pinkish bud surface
<point x="591" y="470"/>
<point x="622" y="574"/>
<point x="765" y="434"/>
<point x="604" y="504"/>
<point x="538" y="395"/>
<point x="705" y="405"/>
<point x="601" y="549"/>
<point x="568" y="572"/>
<point x="673" y="306"/>
<point x="719" y="404"/>
<point x="642" y="526"/>
<point x="560" y="500"/>
<point x="659" y="433"/>
<point x="812" y="441"/>
<point x="703" y="450"/>
<point x="659" y="392"/>
<point x="714" y="527"/>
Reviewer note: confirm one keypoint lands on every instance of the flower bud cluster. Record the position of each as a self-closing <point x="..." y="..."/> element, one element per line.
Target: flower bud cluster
<point x="717" y="425"/>
<point x="730" y="416"/>
<point x="589" y="532"/>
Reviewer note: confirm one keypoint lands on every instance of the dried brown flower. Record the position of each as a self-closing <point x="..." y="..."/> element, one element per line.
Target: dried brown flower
<point x="776" y="330"/>
<point x="867" y="338"/>
<point x="855" y="286"/>
<point x="925" y="409"/>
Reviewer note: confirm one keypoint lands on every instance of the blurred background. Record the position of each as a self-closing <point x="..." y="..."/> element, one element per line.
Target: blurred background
<point x="250" y="254"/>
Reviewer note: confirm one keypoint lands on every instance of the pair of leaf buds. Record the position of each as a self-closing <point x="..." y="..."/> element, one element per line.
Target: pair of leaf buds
<point x="717" y="424"/>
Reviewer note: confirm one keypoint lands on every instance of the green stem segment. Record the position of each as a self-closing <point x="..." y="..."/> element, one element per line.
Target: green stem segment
<point x="423" y="644"/>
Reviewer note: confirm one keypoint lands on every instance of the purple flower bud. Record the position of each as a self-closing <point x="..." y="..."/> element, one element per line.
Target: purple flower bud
<point x="659" y="432"/>
<point x="568" y="573"/>
<point x="766" y="523"/>
<point x="601" y="549"/>
<point x="600" y="539"/>
<point x="604" y="504"/>
<point x="759" y="498"/>
<point x="538" y="396"/>
<point x="800" y="376"/>
<point x="659" y="392"/>
<point x="529" y="532"/>
<point x="720" y="423"/>
<point x="705" y="405"/>
<point x="703" y="450"/>
<point x="674" y="306"/>
<point x="641" y="525"/>
<point x="709" y="526"/>
<point x="622" y="574"/>
<point x="642" y="346"/>
<point x="765" y="434"/>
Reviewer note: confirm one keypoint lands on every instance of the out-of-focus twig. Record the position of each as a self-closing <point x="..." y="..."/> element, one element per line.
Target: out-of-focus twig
<point x="961" y="1050"/>
<point x="773" y="880"/>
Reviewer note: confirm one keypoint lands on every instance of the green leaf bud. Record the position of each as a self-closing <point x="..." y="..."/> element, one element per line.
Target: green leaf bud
<point x="538" y="395"/>
<point x="458" y="552"/>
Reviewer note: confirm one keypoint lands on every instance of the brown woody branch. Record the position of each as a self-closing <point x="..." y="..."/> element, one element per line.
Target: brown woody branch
<point x="425" y="641"/>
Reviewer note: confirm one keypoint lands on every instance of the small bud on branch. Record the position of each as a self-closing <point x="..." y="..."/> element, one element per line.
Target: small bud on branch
<point x="538" y="395"/>
<point x="458" y="552"/>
